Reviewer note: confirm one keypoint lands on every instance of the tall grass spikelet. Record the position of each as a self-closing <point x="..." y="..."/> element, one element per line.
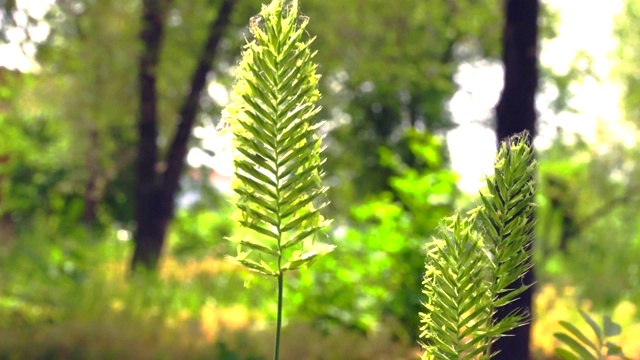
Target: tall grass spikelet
<point x="278" y="153"/>
<point x="474" y="262"/>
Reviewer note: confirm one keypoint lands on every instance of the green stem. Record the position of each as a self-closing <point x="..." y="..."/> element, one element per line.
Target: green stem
<point x="276" y="353"/>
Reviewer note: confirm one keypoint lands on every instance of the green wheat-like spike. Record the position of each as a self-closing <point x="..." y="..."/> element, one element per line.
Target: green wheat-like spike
<point x="456" y="288"/>
<point x="506" y="224"/>
<point x="506" y="219"/>
<point x="278" y="154"/>
<point x="472" y="264"/>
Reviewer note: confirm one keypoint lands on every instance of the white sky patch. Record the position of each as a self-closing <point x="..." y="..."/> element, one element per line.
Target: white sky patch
<point x="217" y="143"/>
<point x="585" y="26"/>
<point x="472" y="145"/>
<point x="12" y="56"/>
<point x="36" y="8"/>
<point x="218" y="93"/>
<point x="472" y="149"/>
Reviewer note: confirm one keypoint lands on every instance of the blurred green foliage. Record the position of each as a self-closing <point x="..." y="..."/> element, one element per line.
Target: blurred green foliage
<point x="201" y="227"/>
<point x="626" y="67"/>
<point x="36" y="183"/>
<point x="395" y="76"/>
<point x="392" y="78"/>
<point x="71" y="300"/>
<point x="376" y="271"/>
<point x="64" y="291"/>
<point x="587" y="230"/>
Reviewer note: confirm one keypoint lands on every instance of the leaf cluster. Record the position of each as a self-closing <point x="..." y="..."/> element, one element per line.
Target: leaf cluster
<point x="476" y="264"/>
<point x="582" y="347"/>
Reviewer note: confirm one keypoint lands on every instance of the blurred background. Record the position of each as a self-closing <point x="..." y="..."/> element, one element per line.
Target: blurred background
<point x="92" y="182"/>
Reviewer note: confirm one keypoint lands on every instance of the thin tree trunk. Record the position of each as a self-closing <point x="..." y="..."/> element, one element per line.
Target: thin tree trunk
<point x="515" y="113"/>
<point x="7" y="228"/>
<point x="93" y="190"/>
<point x="156" y="186"/>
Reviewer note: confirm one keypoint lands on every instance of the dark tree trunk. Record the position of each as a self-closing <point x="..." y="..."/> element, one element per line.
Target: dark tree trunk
<point x="6" y="224"/>
<point x="148" y="242"/>
<point x="93" y="191"/>
<point x="516" y="109"/>
<point x="515" y="113"/>
<point x="157" y="185"/>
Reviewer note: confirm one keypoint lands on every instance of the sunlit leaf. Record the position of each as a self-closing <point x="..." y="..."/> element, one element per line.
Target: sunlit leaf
<point x="565" y="354"/>
<point x="594" y="326"/>
<point x="575" y="346"/>
<point x="579" y="335"/>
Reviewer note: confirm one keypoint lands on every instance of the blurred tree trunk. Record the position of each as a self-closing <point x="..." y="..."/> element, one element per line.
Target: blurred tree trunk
<point x="515" y="113"/>
<point x="6" y="224"/>
<point x="157" y="181"/>
<point x="93" y="191"/>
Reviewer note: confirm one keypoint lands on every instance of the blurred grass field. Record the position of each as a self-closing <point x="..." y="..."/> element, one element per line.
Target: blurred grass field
<point x="200" y="308"/>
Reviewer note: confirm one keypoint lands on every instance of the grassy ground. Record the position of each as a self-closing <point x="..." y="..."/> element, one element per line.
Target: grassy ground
<point x="199" y="309"/>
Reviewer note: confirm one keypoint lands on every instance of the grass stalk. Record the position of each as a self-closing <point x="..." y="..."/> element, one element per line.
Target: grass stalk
<point x="278" y="159"/>
<point x="276" y="352"/>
